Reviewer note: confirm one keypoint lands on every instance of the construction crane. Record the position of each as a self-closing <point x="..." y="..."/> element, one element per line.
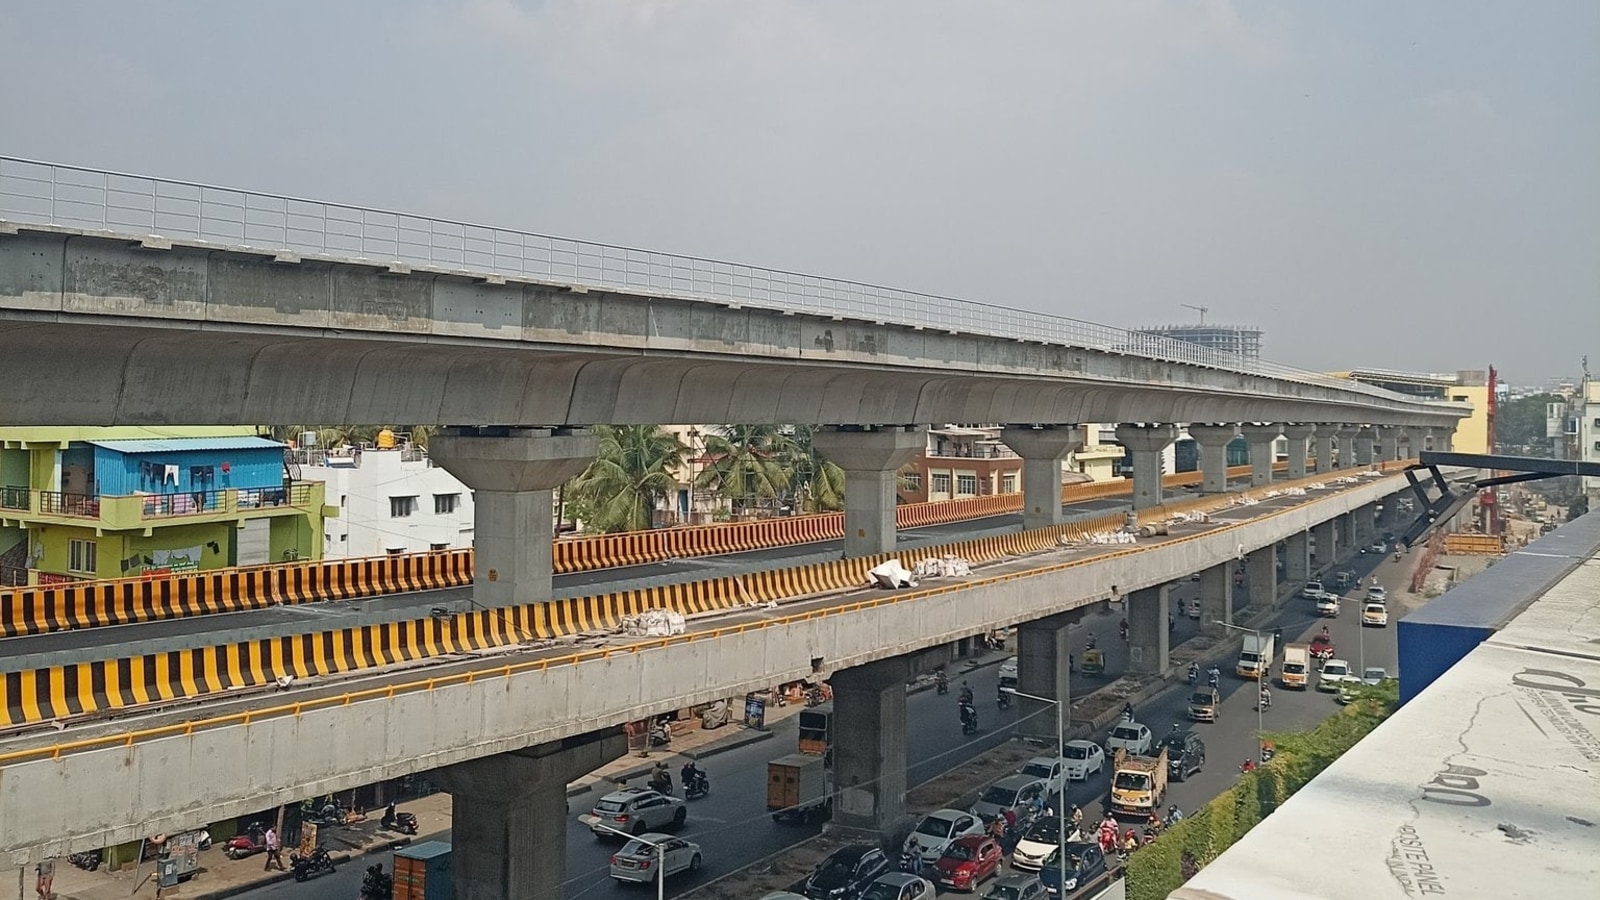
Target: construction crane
<point x="1202" y="310"/>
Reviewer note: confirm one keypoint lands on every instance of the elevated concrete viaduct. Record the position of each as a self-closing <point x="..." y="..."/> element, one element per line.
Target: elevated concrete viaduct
<point x="53" y="804"/>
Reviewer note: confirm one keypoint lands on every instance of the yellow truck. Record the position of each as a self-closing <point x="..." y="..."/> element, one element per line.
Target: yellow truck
<point x="1296" y="666"/>
<point x="1138" y="783"/>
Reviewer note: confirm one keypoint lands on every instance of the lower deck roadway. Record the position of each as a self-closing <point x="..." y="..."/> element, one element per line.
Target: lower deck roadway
<point x="443" y="666"/>
<point x="733" y="829"/>
<point x="64" y="647"/>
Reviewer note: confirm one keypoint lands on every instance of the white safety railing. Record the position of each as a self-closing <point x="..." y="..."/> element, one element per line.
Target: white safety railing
<point x="75" y="197"/>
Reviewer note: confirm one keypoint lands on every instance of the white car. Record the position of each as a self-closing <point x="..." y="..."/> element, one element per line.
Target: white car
<point x="1046" y="769"/>
<point x="1377" y="594"/>
<point x="1038" y="841"/>
<point x="636" y="861"/>
<point x="1374" y="675"/>
<point x="1130" y="736"/>
<point x="1335" y="672"/>
<point x="1008" y="669"/>
<point x="1312" y="590"/>
<point x="939" y="829"/>
<point x="1084" y="758"/>
<point x="1328" y="606"/>
<point x="1378" y="547"/>
<point x="899" y="886"/>
<point x="1375" y="614"/>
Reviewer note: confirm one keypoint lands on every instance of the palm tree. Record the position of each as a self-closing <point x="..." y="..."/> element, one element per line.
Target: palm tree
<point x="747" y="465"/>
<point x="633" y="470"/>
<point x="817" y="482"/>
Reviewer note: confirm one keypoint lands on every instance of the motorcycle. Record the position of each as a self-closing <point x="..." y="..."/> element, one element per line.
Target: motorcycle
<point x="1003" y="700"/>
<point x="87" y="861"/>
<point x="376" y="884"/>
<point x="661" y="783"/>
<point x="969" y="720"/>
<point x="304" y="868"/>
<point x="403" y="822"/>
<point x="814" y="697"/>
<point x="329" y="815"/>
<point x="1194" y="674"/>
<point x="910" y="860"/>
<point x="660" y="736"/>
<point x="941" y="684"/>
<point x="697" y="786"/>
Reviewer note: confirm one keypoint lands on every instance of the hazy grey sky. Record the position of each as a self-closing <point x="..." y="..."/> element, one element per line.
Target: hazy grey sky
<point x="1410" y="185"/>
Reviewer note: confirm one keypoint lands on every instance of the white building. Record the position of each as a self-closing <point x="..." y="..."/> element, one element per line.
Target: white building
<point x="1585" y="407"/>
<point x="391" y="500"/>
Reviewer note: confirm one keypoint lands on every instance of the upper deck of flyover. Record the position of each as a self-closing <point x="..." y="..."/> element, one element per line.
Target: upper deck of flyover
<point x="294" y="310"/>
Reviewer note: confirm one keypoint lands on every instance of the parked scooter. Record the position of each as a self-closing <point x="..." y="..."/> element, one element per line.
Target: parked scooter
<point x="403" y="822"/>
<point x="251" y="841"/>
<point x="304" y="868"/>
<point x="329" y="815"/>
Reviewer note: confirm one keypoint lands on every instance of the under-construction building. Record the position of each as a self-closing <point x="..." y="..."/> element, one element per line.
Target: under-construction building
<point x="1241" y="339"/>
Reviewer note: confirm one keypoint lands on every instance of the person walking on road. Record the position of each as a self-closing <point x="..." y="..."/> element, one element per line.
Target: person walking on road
<point x="274" y="852"/>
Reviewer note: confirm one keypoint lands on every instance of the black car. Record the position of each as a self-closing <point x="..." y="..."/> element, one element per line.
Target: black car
<point x="1086" y="867"/>
<point x="847" y="872"/>
<point x="1186" y="754"/>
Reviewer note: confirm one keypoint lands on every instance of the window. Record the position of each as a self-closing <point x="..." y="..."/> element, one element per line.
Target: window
<point x="913" y="481"/>
<point x="966" y="484"/>
<point x="82" y="556"/>
<point x="437" y="547"/>
<point x="400" y="507"/>
<point x="940" y="482"/>
<point x="1460" y="398"/>
<point x="1008" y="484"/>
<point x="445" y="504"/>
<point x="394" y="551"/>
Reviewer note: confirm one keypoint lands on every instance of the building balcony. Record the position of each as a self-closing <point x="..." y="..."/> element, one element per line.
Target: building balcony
<point x="23" y="506"/>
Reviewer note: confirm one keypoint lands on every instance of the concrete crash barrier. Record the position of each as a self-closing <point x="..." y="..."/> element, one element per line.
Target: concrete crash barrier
<point x="84" y="688"/>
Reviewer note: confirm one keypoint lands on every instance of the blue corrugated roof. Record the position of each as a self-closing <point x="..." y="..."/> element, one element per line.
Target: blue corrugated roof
<point x="173" y="445"/>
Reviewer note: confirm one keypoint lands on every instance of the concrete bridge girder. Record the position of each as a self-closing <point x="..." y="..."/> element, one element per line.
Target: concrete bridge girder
<point x="357" y="340"/>
<point x="55" y="806"/>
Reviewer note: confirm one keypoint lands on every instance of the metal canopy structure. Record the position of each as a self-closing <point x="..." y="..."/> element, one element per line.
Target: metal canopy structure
<point x="1448" y="502"/>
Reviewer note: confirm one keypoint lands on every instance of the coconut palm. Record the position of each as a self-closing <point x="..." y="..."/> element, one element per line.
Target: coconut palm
<point x="633" y="470"/>
<point x="747" y="465"/>
<point x="817" y="483"/>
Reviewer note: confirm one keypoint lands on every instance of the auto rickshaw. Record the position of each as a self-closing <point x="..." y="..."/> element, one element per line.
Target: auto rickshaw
<point x="1094" y="662"/>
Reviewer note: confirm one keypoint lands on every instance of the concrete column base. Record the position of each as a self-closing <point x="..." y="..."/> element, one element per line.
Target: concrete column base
<point x="1351" y="454"/>
<point x="1262" y="573"/>
<point x="871" y="457"/>
<point x="1261" y="439"/>
<point x="509" y="816"/>
<point x="1326" y="552"/>
<point x="1042" y="450"/>
<point x="869" y="755"/>
<point x="1216" y="585"/>
<point x="1146" y="443"/>
<point x="512" y="472"/>
<point x="1148" y="639"/>
<point x="1325" y="434"/>
<point x="1297" y="562"/>
<point x="1213" y="441"/>
<point x="1043" y="657"/>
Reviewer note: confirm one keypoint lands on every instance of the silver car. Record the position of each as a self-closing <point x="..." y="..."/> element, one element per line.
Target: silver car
<point x="636" y="861"/>
<point x="899" y="886"/>
<point x="1017" y="793"/>
<point x="634" y="811"/>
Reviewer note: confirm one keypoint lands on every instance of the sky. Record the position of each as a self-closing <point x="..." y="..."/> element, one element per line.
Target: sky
<point x="1409" y="185"/>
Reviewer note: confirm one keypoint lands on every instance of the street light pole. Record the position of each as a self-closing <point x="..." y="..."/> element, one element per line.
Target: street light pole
<point x="1261" y="679"/>
<point x="660" y="848"/>
<point x="1061" y="786"/>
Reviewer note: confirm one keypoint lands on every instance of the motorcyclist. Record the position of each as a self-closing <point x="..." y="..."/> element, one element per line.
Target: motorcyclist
<point x="941" y="681"/>
<point x="1003" y="697"/>
<point x="691" y="774"/>
<point x="1127" y="711"/>
<point x="969" y="716"/>
<point x="1277" y="636"/>
<point x="1248" y="766"/>
<point x="1091" y="641"/>
<point x="1174" y="815"/>
<point x="1130" y="841"/>
<point x="1123" y="628"/>
<point x="1214" y="675"/>
<point x="1266" y="697"/>
<point x="1194" y="673"/>
<point x="1324" y="631"/>
<point x="661" y="779"/>
<point x="1077" y="818"/>
<point x="965" y="697"/>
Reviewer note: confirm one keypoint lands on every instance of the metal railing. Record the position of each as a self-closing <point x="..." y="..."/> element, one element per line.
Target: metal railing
<point x="56" y="503"/>
<point x="77" y="197"/>
<point x="12" y="497"/>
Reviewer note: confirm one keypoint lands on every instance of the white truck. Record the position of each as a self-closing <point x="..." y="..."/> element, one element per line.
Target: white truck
<point x="1296" y="666"/>
<point x="1255" y="659"/>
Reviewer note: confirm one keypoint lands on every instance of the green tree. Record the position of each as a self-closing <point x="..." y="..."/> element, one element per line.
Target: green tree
<point x="817" y="483"/>
<point x="747" y="467"/>
<point x="633" y="470"/>
<point x="1520" y="423"/>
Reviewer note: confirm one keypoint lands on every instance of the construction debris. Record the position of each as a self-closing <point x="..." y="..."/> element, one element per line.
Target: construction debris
<point x="948" y="567"/>
<point x="890" y="574"/>
<point x="654" y="623"/>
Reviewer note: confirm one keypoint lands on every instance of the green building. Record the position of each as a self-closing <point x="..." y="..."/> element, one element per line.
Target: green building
<point x="80" y="503"/>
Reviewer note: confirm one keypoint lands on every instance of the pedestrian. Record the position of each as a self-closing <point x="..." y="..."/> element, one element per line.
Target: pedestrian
<point x="274" y="852"/>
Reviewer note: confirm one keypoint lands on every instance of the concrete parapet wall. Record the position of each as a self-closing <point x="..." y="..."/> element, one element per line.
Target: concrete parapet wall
<point x="62" y="799"/>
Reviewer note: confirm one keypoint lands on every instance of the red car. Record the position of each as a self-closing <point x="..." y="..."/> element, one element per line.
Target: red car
<point x="968" y="862"/>
<point x="1322" y="647"/>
